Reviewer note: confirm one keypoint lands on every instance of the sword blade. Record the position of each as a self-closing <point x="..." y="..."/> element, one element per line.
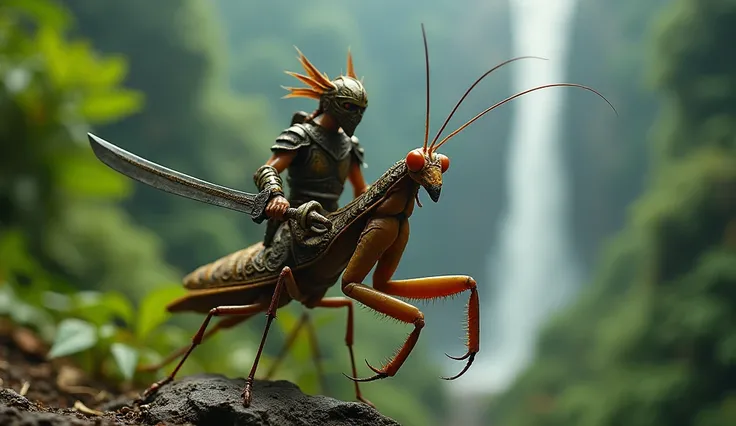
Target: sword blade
<point x="178" y="183"/>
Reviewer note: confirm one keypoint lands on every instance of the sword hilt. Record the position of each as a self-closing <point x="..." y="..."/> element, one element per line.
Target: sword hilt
<point x="259" y="206"/>
<point x="307" y="215"/>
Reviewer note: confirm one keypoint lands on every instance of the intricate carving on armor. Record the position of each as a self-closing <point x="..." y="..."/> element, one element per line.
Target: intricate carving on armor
<point x="272" y="258"/>
<point x="292" y="245"/>
<point x="247" y="265"/>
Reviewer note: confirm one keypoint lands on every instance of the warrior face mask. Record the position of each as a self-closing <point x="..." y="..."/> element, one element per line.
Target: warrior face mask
<point x="344" y="98"/>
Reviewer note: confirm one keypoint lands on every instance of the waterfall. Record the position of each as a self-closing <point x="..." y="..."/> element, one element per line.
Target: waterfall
<point x="532" y="270"/>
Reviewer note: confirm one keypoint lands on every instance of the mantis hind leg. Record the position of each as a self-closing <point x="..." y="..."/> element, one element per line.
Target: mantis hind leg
<point x="242" y="310"/>
<point x="344" y="302"/>
<point x="304" y="323"/>
<point x="225" y="323"/>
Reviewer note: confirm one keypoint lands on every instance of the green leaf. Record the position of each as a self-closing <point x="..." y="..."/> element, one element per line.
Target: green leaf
<point x="108" y="72"/>
<point x="126" y="358"/>
<point x="107" y="331"/>
<point x="22" y="312"/>
<point x="119" y="305"/>
<point x="108" y="106"/>
<point x="152" y="311"/>
<point x="51" y="46"/>
<point x="100" y="308"/>
<point x="72" y="336"/>
<point x="7" y="299"/>
<point x="56" y="301"/>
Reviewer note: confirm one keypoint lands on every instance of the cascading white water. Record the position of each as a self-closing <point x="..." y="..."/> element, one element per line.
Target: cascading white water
<point x="532" y="270"/>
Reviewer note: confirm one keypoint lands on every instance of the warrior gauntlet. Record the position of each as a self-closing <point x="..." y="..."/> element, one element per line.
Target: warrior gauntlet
<point x="267" y="177"/>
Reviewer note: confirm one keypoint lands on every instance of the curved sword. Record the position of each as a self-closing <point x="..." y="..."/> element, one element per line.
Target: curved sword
<point x="178" y="183"/>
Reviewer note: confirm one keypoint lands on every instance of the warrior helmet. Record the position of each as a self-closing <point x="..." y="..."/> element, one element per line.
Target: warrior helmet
<point x="344" y="98"/>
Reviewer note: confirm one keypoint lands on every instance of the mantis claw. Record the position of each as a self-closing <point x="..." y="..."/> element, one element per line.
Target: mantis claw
<point x="379" y="375"/>
<point x="368" y="379"/>
<point x="467" y="354"/>
<point x="375" y="370"/>
<point x="471" y="356"/>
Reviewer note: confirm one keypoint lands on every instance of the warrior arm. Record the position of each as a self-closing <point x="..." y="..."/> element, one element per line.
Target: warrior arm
<point x="285" y="148"/>
<point x="280" y="160"/>
<point x="356" y="173"/>
<point x="356" y="179"/>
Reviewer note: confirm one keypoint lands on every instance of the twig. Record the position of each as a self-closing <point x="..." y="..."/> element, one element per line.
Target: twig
<point x="79" y="406"/>
<point x="24" y="389"/>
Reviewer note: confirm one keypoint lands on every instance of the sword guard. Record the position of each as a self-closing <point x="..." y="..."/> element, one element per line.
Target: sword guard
<point x="259" y="206"/>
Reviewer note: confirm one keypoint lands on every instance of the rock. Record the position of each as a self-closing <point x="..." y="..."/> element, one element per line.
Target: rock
<point x="206" y="399"/>
<point x="211" y="399"/>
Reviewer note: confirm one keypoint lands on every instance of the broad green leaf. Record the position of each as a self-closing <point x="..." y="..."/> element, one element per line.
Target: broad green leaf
<point x="152" y="311"/>
<point x="100" y="308"/>
<point x="56" y="301"/>
<point x="107" y="331"/>
<point x="72" y="336"/>
<point x="108" y="106"/>
<point x="119" y="305"/>
<point x="126" y="358"/>
<point x="21" y="312"/>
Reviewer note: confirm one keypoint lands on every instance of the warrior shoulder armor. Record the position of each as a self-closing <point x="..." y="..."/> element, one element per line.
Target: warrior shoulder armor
<point x="291" y="139"/>
<point x="357" y="150"/>
<point x="299" y="117"/>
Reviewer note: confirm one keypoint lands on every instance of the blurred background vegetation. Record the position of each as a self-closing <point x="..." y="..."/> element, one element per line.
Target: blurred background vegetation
<point x="196" y="86"/>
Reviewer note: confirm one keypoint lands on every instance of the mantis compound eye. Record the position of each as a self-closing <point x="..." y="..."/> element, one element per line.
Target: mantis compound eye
<point x="444" y="162"/>
<point x="415" y="160"/>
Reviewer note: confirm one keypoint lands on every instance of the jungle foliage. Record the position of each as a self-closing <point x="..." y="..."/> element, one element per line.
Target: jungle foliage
<point x="90" y="258"/>
<point x="651" y="342"/>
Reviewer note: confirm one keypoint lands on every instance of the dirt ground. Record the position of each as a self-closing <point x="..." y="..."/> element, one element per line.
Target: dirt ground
<point x="37" y="392"/>
<point x="34" y="391"/>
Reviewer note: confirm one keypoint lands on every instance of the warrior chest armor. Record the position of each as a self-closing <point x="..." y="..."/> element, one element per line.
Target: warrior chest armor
<point x="322" y="163"/>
